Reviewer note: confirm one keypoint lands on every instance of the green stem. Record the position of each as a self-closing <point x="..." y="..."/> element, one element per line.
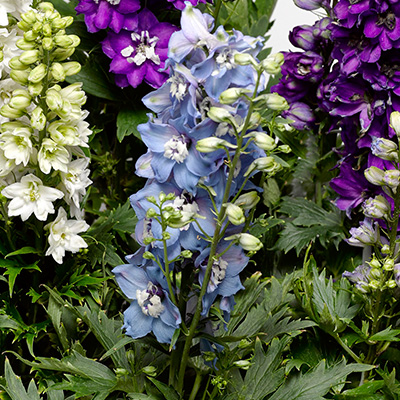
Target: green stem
<point x="213" y="249"/>
<point x="347" y="349"/>
<point x="218" y="5"/>
<point x="196" y="386"/>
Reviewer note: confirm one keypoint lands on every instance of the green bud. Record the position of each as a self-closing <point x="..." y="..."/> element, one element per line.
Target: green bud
<point x="148" y="256"/>
<point x="395" y="122"/>
<point x="212" y="143"/>
<point x="15" y="63"/>
<point x="20" y="77"/>
<point x="171" y="196"/>
<point x="38" y="73"/>
<point x="151" y="213"/>
<point x="61" y="54"/>
<point x="263" y="141"/>
<point x="30" y="37"/>
<point x="24" y="45"/>
<point x="392" y="178"/>
<point x="23" y="26"/>
<point x="47" y="31"/>
<point x="35" y="89"/>
<point x="57" y="71"/>
<point x="385" y="249"/>
<point x="244" y="343"/>
<point x="186" y="254"/>
<point x="247" y="241"/>
<point x="45" y="6"/>
<point x="54" y="100"/>
<point x="275" y="102"/>
<point x="375" y="273"/>
<point x="151" y="199"/>
<point x="284" y="148"/>
<point x="374" y="284"/>
<point x="20" y="99"/>
<point x="264" y="164"/>
<point x="247" y="201"/>
<point x="218" y="114"/>
<point x="374" y="175"/>
<point x="29" y="57"/>
<point x="37" y="27"/>
<point x="388" y="265"/>
<point x="161" y="197"/>
<point x="9" y="112"/>
<point x="235" y="214"/>
<point x="374" y="263"/>
<point x="272" y="64"/>
<point x="38" y="119"/>
<point x="229" y="96"/>
<point x="71" y="68"/>
<point x="245" y="59"/>
<point x="242" y="364"/>
<point x="166" y="235"/>
<point x="29" y="17"/>
<point x="150" y="370"/>
<point x="148" y="240"/>
<point x="47" y="43"/>
<point x="391" y="284"/>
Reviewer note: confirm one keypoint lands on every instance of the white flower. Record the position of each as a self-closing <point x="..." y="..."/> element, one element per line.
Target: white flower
<point x="6" y="165"/>
<point x="16" y="143"/>
<point x="53" y="155"/>
<point x="8" y="47"/>
<point x="31" y="196"/>
<point x="74" y="184"/>
<point x="64" y="236"/>
<point x="14" y="7"/>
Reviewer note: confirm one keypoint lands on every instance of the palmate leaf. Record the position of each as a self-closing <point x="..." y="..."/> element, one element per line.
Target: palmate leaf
<point x="128" y="120"/>
<point x="317" y="382"/>
<point x="309" y="223"/>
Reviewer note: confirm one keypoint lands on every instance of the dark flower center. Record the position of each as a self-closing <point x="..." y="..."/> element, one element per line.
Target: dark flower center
<point x="390" y="69"/>
<point x="388" y="19"/>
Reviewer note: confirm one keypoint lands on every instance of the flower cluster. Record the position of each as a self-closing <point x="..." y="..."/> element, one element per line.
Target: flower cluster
<point x="380" y="226"/>
<point x="136" y="41"/>
<point x="348" y="68"/>
<point x="204" y="143"/>
<point x="43" y="130"/>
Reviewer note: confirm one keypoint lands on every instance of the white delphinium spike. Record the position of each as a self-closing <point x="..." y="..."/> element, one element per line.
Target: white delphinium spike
<point x="29" y="197"/>
<point x="63" y="236"/>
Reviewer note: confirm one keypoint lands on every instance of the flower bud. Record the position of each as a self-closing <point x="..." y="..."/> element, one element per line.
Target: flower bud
<point x="391" y="284"/>
<point x="186" y="254"/>
<point x="247" y="201"/>
<point x="395" y="122"/>
<point x="29" y="57"/>
<point x="23" y="26"/>
<point x="47" y="43"/>
<point x="148" y="256"/>
<point x="272" y="64"/>
<point x="151" y="213"/>
<point x="20" y="77"/>
<point x="47" y="32"/>
<point x="35" y="89"/>
<point x="29" y="17"/>
<point x="374" y="263"/>
<point x="309" y="4"/>
<point x="375" y="273"/>
<point x="229" y="96"/>
<point x="150" y="370"/>
<point x="264" y="164"/>
<point x="374" y="284"/>
<point x="245" y="59"/>
<point x="10" y="112"/>
<point x="235" y="214"/>
<point x="166" y="235"/>
<point x="71" y="68"/>
<point x="388" y="265"/>
<point x="365" y="234"/>
<point x="36" y="28"/>
<point x="61" y="54"/>
<point x="171" y="196"/>
<point x="20" y="99"/>
<point x="263" y="141"/>
<point x="24" y="45"/>
<point x="375" y="176"/>
<point x="275" y="102"/>
<point x="54" y="99"/>
<point x="57" y="71"/>
<point x="15" y="63"/>
<point x="392" y="178"/>
<point x="45" y="6"/>
<point x="64" y="41"/>
<point x="243" y="364"/>
<point x="385" y="149"/>
<point x="38" y="119"/>
<point x="38" y="73"/>
<point x="249" y="242"/>
<point x="218" y="114"/>
<point x="210" y="144"/>
<point x="385" y="249"/>
<point x="30" y="37"/>
<point x="378" y="207"/>
<point x="284" y="148"/>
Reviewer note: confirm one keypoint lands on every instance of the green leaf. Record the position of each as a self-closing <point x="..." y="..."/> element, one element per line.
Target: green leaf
<point x="317" y="382"/>
<point x="24" y="250"/>
<point x="127" y="121"/>
<point x="6" y="322"/>
<point x="271" y="193"/>
<point x="119" y="345"/>
<point x="167" y="391"/>
<point x="65" y="8"/>
<point x="264" y="377"/>
<point x="95" y="82"/>
<point x="365" y="392"/>
<point x="387" y="335"/>
<point x="14" y="388"/>
<point x="141" y="396"/>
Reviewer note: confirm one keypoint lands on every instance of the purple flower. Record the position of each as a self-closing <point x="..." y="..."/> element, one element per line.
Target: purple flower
<point x="151" y="309"/>
<point x="360" y="276"/>
<point x="115" y="14"/>
<point x="140" y="56"/>
<point x="301" y="115"/>
<point x="311" y="4"/>
<point x="180" y="4"/>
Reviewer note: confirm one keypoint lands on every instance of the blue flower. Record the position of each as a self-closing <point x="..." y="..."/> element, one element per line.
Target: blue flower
<point x="151" y="309"/>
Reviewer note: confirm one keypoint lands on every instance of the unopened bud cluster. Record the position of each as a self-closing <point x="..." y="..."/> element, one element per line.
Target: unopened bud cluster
<point x="43" y="130"/>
